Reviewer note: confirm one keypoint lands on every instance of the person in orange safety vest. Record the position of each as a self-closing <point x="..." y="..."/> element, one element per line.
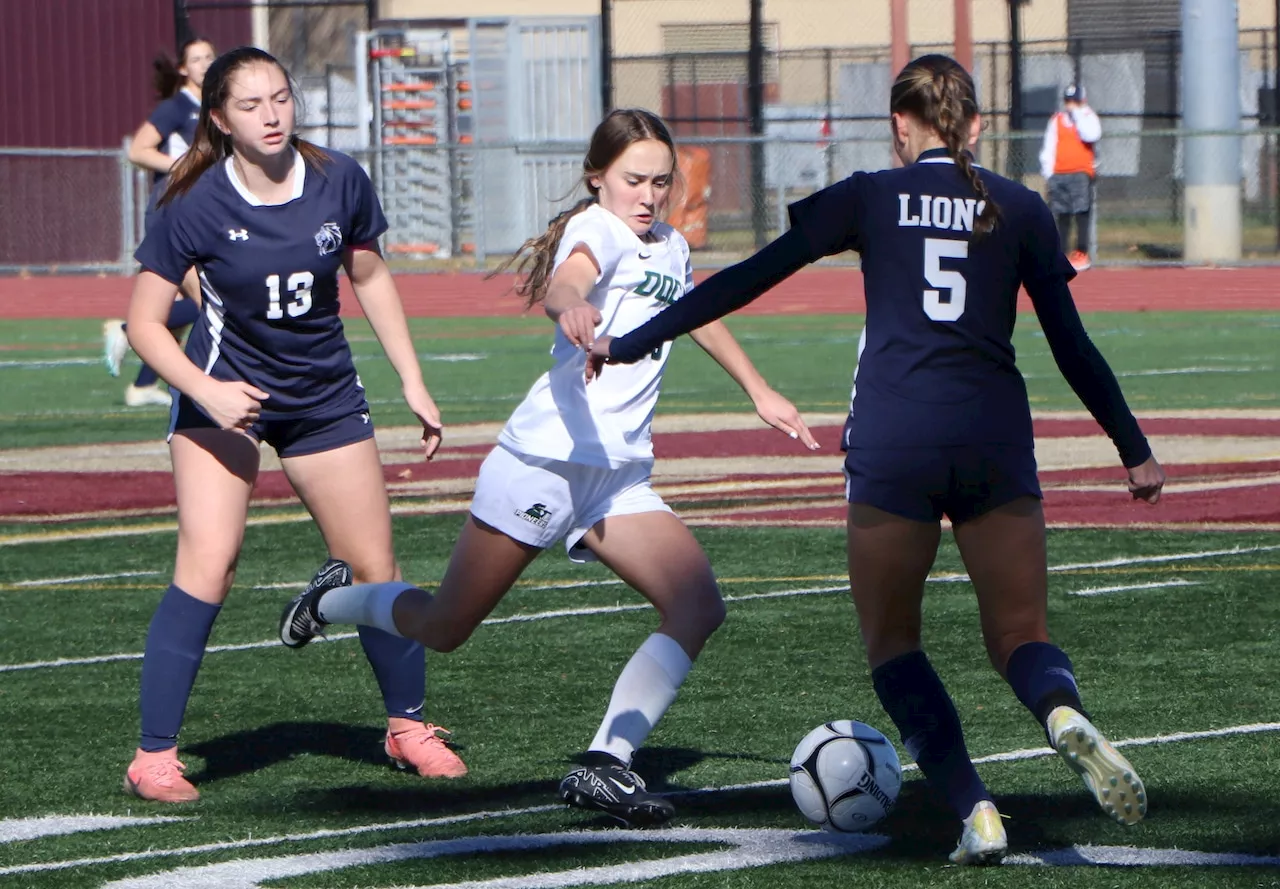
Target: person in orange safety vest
<point x="1067" y="164"/>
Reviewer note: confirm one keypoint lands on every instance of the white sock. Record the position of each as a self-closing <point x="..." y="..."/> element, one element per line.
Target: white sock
<point x="368" y="604"/>
<point x="643" y="692"/>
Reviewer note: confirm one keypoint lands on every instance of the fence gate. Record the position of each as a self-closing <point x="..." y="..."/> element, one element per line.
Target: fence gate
<point x="464" y="119"/>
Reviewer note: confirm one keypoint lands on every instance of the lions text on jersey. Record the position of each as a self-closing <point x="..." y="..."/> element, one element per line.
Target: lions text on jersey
<point x="269" y="275"/>
<point x="606" y="423"/>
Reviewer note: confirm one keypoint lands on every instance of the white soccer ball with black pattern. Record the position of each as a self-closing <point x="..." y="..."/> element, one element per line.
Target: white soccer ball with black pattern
<point x="845" y="776"/>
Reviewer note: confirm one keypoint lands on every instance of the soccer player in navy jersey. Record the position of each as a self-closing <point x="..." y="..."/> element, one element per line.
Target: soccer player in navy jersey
<point x="157" y="145"/>
<point x="940" y="425"/>
<point x="268" y="219"/>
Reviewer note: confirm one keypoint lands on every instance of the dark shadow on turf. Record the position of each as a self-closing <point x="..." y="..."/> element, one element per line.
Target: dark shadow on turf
<point x="249" y="751"/>
<point x="425" y="798"/>
<point x="656" y="765"/>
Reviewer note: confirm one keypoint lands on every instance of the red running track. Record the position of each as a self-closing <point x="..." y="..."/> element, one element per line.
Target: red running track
<point x="813" y="291"/>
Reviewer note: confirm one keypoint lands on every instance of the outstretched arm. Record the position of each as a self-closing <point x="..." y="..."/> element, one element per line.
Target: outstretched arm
<point x="716" y="340"/>
<point x="1090" y="377"/>
<point x="726" y="291"/>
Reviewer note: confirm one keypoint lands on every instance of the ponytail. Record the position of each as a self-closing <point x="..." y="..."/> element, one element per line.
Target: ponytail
<point x="165" y="76"/>
<point x="536" y="257"/>
<point x="955" y="111"/>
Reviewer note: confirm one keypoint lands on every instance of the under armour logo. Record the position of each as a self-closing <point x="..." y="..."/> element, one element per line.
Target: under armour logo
<point x="238" y="234"/>
<point x="365" y="417"/>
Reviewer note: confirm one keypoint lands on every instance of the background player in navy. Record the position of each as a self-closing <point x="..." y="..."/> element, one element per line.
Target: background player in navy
<point x="573" y="463"/>
<point x="159" y="143"/>
<point x="940" y="425"/>
<point x="268" y="219"/>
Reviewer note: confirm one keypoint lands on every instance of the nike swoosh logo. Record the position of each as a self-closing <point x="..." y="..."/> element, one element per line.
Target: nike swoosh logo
<point x="623" y="787"/>
<point x="646" y="255"/>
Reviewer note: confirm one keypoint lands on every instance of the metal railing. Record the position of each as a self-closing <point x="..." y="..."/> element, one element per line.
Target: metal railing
<point x="76" y="211"/>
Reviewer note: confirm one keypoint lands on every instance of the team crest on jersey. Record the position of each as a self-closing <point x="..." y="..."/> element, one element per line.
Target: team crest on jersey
<point x="329" y="238"/>
<point x="538" y="514"/>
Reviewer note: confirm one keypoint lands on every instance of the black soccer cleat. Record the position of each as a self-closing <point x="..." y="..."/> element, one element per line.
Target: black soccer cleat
<point x="300" y="622"/>
<point x="618" y="792"/>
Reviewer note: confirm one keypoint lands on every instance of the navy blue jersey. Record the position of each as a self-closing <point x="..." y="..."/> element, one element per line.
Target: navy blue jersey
<point x="269" y="274"/>
<point x="937" y="367"/>
<point x="175" y="118"/>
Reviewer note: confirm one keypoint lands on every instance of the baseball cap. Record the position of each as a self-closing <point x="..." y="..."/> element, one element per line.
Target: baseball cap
<point x="1073" y="92"/>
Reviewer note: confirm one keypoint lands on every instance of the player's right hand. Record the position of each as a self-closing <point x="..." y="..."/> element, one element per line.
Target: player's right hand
<point x="1146" y="480"/>
<point x="234" y="405"/>
<point x="579" y="325"/>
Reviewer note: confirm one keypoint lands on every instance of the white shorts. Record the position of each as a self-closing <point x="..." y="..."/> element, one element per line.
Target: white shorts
<point x="539" y="501"/>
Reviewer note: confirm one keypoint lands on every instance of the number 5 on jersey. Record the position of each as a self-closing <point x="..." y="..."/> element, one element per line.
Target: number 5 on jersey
<point x="299" y="285"/>
<point x="936" y="250"/>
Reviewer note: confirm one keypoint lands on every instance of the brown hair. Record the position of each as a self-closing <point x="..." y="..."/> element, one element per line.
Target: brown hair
<point x="166" y="78"/>
<point x="614" y="135"/>
<point x="212" y="145"/>
<point x="937" y="91"/>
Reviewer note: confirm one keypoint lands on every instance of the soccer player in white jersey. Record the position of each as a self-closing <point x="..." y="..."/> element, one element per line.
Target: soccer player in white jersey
<point x="574" y="461"/>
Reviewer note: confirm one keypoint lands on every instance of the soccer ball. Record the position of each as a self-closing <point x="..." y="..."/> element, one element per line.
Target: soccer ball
<point x="845" y="776"/>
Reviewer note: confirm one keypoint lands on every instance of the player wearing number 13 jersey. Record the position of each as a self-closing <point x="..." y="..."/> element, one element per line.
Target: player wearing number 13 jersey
<point x="269" y="274"/>
<point x="267" y="219"/>
<point x="940" y="425"/>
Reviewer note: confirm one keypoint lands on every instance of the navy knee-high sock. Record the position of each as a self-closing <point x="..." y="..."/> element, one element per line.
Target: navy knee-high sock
<point x="1040" y="674"/>
<point x="917" y="702"/>
<point x="400" y="666"/>
<point x="175" y="646"/>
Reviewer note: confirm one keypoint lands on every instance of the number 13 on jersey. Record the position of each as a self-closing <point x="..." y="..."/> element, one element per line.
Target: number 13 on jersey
<point x="936" y="250"/>
<point x="299" y="285"/>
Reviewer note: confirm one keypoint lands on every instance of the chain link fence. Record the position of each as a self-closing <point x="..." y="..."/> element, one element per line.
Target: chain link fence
<point x="1138" y="219"/>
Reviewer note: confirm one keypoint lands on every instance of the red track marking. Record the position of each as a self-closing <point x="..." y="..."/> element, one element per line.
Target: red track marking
<point x="823" y="289"/>
<point x="60" y="496"/>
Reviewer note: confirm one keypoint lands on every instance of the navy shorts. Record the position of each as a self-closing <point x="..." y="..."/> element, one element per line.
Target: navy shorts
<point x="924" y="484"/>
<point x="289" y="438"/>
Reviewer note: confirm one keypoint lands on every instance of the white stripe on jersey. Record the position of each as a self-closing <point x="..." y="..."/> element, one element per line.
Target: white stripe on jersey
<point x="214" y="311"/>
<point x="176" y="146"/>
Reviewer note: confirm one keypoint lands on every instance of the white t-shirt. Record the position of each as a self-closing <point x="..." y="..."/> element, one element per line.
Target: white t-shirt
<point x="607" y="422"/>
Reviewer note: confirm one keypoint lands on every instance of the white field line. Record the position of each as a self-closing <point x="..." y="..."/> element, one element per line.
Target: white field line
<point x="47" y="362"/>
<point x="1105" y="590"/>
<point x="58" y="581"/>
<point x="616" y="609"/>
<point x="339" y="637"/>
<point x="493" y="815"/>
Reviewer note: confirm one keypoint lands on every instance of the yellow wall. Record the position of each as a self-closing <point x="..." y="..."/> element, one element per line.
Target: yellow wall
<point x="800" y="23"/>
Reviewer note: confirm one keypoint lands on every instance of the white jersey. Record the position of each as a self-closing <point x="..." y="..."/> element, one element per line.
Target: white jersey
<point x="607" y="422"/>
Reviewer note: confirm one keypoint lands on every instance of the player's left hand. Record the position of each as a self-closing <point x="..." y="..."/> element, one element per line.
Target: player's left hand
<point x="422" y="405"/>
<point x="598" y="357"/>
<point x="1146" y="481"/>
<point x="783" y="416"/>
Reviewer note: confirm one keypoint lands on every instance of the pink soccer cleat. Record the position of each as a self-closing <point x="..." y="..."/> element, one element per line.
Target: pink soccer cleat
<point x="422" y="748"/>
<point x="158" y="776"/>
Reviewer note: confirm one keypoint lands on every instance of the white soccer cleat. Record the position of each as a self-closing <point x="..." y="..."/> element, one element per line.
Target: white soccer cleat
<point x="1108" y="775"/>
<point x="115" y="345"/>
<point x="142" y="396"/>
<point x="983" y="840"/>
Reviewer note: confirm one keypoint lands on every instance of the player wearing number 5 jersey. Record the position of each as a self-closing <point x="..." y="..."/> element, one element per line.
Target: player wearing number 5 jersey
<point x="573" y="463"/>
<point x="267" y="220"/>
<point x="940" y="425"/>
